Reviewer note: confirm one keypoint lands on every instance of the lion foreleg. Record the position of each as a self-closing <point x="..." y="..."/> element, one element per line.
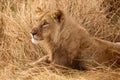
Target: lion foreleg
<point x="43" y="59"/>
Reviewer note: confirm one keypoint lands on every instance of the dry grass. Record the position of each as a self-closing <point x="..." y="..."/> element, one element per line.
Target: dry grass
<point x="17" y="51"/>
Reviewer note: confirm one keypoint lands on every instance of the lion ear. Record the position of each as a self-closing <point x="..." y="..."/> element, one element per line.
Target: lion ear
<point x="58" y="16"/>
<point x="38" y="10"/>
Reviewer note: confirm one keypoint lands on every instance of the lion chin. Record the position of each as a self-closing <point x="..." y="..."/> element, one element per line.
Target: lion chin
<point x="35" y="41"/>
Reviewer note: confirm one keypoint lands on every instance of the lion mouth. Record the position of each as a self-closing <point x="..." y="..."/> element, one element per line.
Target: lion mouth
<point x="35" y="41"/>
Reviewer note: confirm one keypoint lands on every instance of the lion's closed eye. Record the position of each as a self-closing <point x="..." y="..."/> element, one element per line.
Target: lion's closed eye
<point x="44" y="24"/>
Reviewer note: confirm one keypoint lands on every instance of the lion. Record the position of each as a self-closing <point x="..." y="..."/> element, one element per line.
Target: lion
<point x="71" y="45"/>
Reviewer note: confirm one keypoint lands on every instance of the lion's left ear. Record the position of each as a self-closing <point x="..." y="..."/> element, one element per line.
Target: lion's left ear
<point x="38" y="10"/>
<point x="58" y="16"/>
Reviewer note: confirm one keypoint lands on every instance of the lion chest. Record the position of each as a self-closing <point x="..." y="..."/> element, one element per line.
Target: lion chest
<point x="64" y="57"/>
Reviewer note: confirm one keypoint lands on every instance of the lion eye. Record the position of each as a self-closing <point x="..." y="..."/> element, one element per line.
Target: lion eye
<point x="44" y="24"/>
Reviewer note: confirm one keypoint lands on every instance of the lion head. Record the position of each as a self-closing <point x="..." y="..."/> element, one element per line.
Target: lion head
<point x="47" y="23"/>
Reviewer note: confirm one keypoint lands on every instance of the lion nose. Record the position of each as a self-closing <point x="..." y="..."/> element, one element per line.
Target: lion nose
<point x="33" y="33"/>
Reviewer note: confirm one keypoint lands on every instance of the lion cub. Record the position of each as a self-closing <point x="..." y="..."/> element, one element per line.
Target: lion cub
<point x="71" y="45"/>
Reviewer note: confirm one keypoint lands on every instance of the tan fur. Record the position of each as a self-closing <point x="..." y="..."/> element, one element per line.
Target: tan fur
<point x="71" y="44"/>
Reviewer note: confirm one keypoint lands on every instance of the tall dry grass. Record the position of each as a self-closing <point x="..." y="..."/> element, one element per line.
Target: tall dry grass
<point x="17" y="51"/>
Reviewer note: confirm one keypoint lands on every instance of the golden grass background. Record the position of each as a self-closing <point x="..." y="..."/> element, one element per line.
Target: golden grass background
<point x="100" y="17"/>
